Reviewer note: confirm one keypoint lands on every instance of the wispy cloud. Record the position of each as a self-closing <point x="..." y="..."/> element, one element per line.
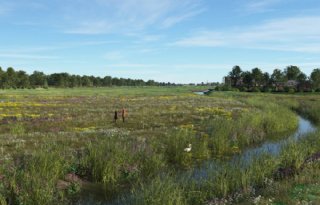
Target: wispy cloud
<point x="172" y="20"/>
<point x="27" y="56"/>
<point x="49" y="52"/>
<point x="6" y="7"/>
<point x="176" y="67"/>
<point x="124" y="16"/>
<point x="255" y="6"/>
<point x="31" y="49"/>
<point x="202" y="39"/>
<point x="288" y="34"/>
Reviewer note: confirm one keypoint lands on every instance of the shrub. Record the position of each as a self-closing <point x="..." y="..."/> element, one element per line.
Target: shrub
<point x="291" y="90"/>
<point x="256" y="90"/>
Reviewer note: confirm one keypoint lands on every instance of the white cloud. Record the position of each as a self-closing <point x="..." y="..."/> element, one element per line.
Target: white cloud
<point x="289" y="34"/>
<point x="255" y="6"/>
<point x="31" y="49"/>
<point x="6" y="7"/>
<point x="177" y="67"/>
<point x="172" y="20"/>
<point x="203" y="39"/>
<point x="114" y="16"/>
<point x="27" y="56"/>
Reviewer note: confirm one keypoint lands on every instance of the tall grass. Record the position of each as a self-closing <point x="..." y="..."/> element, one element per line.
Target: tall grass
<point x="119" y="162"/>
<point x="265" y="120"/>
<point x="33" y="179"/>
<point x="162" y="190"/>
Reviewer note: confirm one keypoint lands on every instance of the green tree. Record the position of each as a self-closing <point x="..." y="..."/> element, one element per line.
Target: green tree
<point x="292" y="72"/>
<point x="37" y="79"/>
<point x="151" y="83"/>
<point x="1" y="77"/>
<point x="74" y="81"/>
<point x="302" y="77"/>
<point x="22" y="79"/>
<point x="257" y="77"/>
<point x="266" y="79"/>
<point x="247" y="78"/>
<point x="277" y="76"/>
<point x="315" y="78"/>
<point x="86" y="82"/>
<point x="107" y="81"/>
<point x="235" y="75"/>
<point x="10" y="78"/>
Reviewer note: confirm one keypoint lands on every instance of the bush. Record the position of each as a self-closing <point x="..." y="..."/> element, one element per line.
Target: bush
<point x="244" y="89"/>
<point x="226" y="88"/>
<point x="291" y="90"/>
<point x="267" y="89"/>
<point x="256" y="90"/>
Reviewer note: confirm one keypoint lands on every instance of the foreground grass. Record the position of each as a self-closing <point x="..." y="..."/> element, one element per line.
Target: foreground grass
<point x="48" y="135"/>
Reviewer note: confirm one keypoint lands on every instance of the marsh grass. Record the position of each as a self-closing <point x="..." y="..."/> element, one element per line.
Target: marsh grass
<point x="162" y="190"/>
<point x="143" y="160"/>
<point x="32" y="179"/>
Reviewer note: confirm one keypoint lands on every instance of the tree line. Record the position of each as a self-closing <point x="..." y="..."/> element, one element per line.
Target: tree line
<point x="290" y="79"/>
<point x="21" y="79"/>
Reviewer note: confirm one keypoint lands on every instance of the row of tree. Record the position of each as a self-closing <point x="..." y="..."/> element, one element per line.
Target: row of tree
<point x="20" y="79"/>
<point x="291" y="77"/>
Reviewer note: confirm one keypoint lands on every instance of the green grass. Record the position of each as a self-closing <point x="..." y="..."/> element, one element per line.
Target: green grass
<point x="47" y="134"/>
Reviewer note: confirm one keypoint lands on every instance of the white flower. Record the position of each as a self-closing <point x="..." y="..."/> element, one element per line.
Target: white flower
<point x="257" y="199"/>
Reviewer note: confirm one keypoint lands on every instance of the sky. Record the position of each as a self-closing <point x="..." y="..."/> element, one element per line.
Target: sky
<point x="181" y="41"/>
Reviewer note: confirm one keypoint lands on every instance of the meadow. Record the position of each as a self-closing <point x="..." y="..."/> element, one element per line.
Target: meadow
<point x="62" y="146"/>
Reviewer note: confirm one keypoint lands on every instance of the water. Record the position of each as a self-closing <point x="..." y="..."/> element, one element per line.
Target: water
<point x="270" y="147"/>
<point x="201" y="92"/>
<point x="274" y="148"/>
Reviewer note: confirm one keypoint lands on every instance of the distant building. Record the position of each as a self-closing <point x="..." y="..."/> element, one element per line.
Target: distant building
<point x="292" y="83"/>
<point x="230" y="82"/>
<point x="227" y="81"/>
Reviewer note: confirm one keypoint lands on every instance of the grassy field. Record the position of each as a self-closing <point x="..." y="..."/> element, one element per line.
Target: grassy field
<point x="61" y="146"/>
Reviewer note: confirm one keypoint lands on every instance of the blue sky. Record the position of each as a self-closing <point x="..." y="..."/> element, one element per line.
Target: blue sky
<point x="169" y="40"/>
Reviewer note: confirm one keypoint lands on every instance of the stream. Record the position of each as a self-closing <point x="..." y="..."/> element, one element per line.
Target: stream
<point x="305" y="127"/>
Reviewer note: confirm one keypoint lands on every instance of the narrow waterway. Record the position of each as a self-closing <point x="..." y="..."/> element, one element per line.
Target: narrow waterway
<point x="305" y="127"/>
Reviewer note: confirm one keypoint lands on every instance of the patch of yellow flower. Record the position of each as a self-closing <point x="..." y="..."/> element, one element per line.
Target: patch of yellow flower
<point x="19" y="115"/>
<point x="173" y="108"/>
<point x="2" y="115"/>
<point x="187" y="126"/>
<point x="84" y="129"/>
<point x="215" y="111"/>
<point x="9" y="104"/>
<point x="27" y="104"/>
<point x="32" y="115"/>
<point x="22" y="115"/>
<point x="166" y="97"/>
<point x="235" y="149"/>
